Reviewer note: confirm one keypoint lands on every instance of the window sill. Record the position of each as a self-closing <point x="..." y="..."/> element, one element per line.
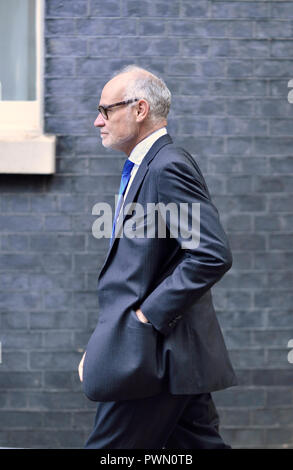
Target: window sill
<point x="27" y="154"/>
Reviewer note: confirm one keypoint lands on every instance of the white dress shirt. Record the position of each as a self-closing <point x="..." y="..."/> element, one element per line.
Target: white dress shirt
<point x="138" y="153"/>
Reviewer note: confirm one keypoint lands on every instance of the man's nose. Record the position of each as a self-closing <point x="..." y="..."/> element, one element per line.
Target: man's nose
<point x="99" y="122"/>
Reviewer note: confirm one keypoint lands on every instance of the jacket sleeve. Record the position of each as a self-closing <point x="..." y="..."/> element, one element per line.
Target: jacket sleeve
<point x="199" y="267"/>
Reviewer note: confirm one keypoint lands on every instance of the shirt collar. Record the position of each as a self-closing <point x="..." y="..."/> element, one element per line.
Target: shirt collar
<point x="141" y="149"/>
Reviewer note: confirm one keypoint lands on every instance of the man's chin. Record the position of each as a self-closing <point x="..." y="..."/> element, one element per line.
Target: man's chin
<point x="118" y="145"/>
<point x="105" y="143"/>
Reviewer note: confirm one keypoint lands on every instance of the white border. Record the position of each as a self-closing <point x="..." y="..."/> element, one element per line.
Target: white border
<point x="27" y="116"/>
<point x="24" y="149"/>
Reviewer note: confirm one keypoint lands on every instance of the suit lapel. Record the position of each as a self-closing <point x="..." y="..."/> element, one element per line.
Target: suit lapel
<point x="136" y="183"/>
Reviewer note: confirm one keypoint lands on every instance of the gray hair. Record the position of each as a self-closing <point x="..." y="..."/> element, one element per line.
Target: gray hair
<point x="150" y="87"/>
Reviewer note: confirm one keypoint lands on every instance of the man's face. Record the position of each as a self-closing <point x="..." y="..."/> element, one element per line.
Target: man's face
<point x="120" y="130"/>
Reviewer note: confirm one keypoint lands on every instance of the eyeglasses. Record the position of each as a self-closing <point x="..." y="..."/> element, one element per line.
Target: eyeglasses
<point x="104" y="109"/>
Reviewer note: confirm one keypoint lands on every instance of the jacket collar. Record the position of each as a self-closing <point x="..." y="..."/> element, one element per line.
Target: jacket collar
<point x="138" y="179"/>
<point x="141" y="149"/>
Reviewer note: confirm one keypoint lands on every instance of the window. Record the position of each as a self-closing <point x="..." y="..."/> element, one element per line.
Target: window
<point x="23" y="147"/>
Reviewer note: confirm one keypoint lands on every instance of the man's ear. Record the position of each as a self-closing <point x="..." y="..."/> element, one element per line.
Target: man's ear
<point x="142" y="110"/>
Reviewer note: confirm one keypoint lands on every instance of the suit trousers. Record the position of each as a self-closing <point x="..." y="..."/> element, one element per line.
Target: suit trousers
<point x="162" y="421"/>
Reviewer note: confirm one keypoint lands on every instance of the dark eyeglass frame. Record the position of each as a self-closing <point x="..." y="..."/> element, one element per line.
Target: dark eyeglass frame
<point x="104" y="109"/>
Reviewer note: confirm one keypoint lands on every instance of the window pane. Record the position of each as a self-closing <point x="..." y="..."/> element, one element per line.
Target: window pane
<point x="17" y="50"/>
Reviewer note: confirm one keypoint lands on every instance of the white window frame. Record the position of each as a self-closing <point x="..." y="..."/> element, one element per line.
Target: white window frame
<point x="23" y="146"/>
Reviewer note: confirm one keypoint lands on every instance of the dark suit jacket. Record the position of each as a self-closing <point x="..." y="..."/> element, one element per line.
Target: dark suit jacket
<point x="182" y="348"/>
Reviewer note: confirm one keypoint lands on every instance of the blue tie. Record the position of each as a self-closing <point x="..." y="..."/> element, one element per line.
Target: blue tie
<point x="128" y="165"/>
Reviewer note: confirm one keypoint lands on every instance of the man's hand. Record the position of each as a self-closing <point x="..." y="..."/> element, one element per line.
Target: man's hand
<point x="80" y="368"/>
<point x="141" y="316"/>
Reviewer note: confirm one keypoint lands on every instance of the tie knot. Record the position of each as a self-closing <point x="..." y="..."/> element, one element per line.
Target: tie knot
<point x="128" y="165"/>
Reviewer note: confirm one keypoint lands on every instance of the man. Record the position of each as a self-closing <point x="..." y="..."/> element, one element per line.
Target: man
<point x="157" y="352"/>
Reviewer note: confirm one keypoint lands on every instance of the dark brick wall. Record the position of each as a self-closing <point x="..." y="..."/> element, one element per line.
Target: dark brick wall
<point x="227" y="64"/>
